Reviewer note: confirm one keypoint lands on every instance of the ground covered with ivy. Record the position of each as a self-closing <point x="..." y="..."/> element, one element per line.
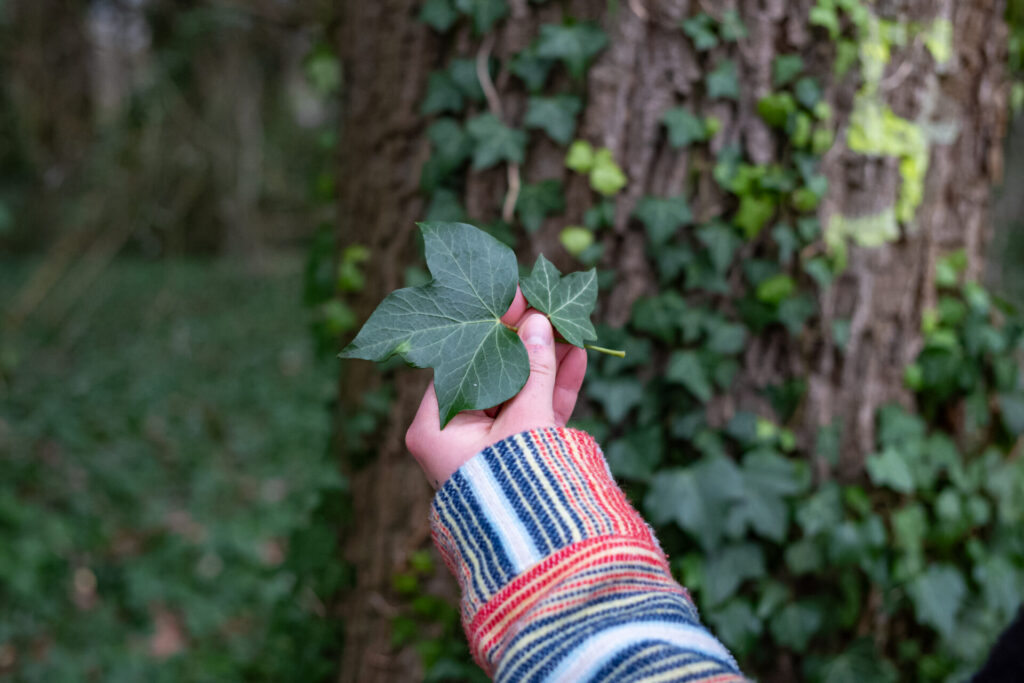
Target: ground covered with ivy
<point x="165" y="483"/>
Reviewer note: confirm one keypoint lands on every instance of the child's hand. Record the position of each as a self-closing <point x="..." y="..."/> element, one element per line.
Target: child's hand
<point x="547" y="400"/>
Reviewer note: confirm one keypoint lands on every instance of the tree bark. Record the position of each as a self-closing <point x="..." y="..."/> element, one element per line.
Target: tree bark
<point x="649" y="66"/>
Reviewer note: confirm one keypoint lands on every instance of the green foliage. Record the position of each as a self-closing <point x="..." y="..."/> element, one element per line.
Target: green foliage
<point x="484" y="13"/>
<point x="605" y="175"/>
<point x="684" y="128"/>
<point x="567" y="300"/>
<point x="556" y="116"/>
<point x="494" y="142"/>
<point x="573" y="44"/>
<point x="723" y="81"/>
<point x="170" y="471"/>
<point x="537" y="201"/>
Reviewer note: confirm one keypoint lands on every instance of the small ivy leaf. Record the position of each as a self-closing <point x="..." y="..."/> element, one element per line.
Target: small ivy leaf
<point x="776" y="289"/>
<point x="785" y="69"/>
<point x="453" y="324"/>
<point x="568" y="301"/>
<point x="617" y="396"/>
<point x="445" y="207"/>
<point x="776" y="108"/>
<point x="495" y="142"/>
<point x="737" y="625"/>
<point x="685" y="368"/>
<point x="576" y="239"/>
<point x="695" y="498"/>
<point x="754" y="212"/>
<point x="443" y="94"/>
<point x="701" y="30"/>
<point x="891" y="469"/>
<point x="580" y="157"/>
<point x="606" y="177"/>
<point x="730" y="567"/>
<point x="659" y="315"/>
<point x="683" y="127"/>
<point x="636" y="455"/>
<point x="937" y="595"/>
<point x="663" y="217"/>
<point x="795" y="624"/>
<point x="827" y="17"/>
<point x="485" y="13"/>
<point x="451" y="145"/>
<point x="722" y="243"/>
<point x="531" y="69"/>
<point x="463" y="73"/>
<point x="556" y="116"/>
<point x="438" y="14"/>
<point x="732" y="27"/>
<point x="574" y="44"/>
<point x="808" y="92"/>
<point x="723" y="81"/>
<point x="727" y="339"/>
<point x="538" y="201"/>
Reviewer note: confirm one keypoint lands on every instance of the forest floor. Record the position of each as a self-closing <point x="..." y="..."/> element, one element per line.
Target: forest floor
<point x="163" y="475"/>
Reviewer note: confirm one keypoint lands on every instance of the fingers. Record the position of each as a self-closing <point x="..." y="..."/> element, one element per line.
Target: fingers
<point x="533" y="405"/>
<point x="426" y="424"/>
<point x="569" y="379"/>
<point x="516" y="310"/>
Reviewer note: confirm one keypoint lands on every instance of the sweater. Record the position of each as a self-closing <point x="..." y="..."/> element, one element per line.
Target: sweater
<point x="561" y="578"/>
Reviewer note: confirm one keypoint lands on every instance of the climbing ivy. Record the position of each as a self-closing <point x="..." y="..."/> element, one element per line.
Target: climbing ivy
<point x="905" y="571"/>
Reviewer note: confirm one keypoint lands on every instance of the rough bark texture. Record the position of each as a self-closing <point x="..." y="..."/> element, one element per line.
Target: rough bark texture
<point x="649" y="66"/>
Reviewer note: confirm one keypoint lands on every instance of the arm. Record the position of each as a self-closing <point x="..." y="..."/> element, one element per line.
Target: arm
<point x="561" y="578"/>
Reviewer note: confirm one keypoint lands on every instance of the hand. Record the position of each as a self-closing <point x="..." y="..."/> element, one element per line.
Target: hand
<point x="547" y="400"/>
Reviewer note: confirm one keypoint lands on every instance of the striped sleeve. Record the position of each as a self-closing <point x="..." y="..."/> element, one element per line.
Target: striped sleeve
<point x="561" y="578"/>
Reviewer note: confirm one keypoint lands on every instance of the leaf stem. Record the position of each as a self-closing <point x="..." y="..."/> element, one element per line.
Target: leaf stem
<point x="600" y="349"/>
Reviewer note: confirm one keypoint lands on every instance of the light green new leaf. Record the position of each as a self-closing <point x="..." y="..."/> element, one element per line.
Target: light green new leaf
<point x="574" y="44"/>
<point x="538" y="201"/>
<point x="485" y="13"/>
<point x="663" y="217"/>
<point x="937" y="595"/>
<point x="684" y="127"/>
<point x="556" y="116"/>
<point x="453" y="323"/>
<point x="568" y="301"/>
<point x="494" y="141"/>
<point x="606" y="176"/>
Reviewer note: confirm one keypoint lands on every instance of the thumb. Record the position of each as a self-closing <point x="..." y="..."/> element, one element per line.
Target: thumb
<point x="532" y="406"/>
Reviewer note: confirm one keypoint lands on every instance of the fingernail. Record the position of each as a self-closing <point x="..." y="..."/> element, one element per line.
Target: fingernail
<point x="537" y="331"/>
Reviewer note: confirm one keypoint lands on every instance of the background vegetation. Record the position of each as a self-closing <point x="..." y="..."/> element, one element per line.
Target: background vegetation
<point x="174" y="284"/>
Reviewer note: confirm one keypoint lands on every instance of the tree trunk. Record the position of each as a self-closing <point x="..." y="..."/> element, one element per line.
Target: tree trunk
<point x="649" y="66"/>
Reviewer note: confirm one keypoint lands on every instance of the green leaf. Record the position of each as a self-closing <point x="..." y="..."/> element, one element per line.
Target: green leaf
<point x="637" y="455"/>
<point x="662" y="217"/>
<point x="574" y="44"/>
<point x="660" y="315"/>
<point x="795" y="624"/>
<point x="822" y="510"/>
<point x="804" y="556"/>
<point x="776" y="108"/>
<point x="538" y="201"/>
<point x="937" y="595"/>
<point x="568" y="301"/>
<point x="683" y="127"/>
<point x="701" y="30"/>
<point x="808" y="92"/>
<point x="453" y="324"/>
<point x="485" y="13"/>
<point x="494" y="142"/>
<point x="463" y="73"/>
<point x="785" y="69"/>
<point x="445" y="207"/>
<point x="727" y="338"/>
<point x="754" y="212"/>
<point x="826" y="17"/>
<point x="723" y="81"/>
<point x="858" y="663"/>
<point x="775" y="289"/>
<point x="685" y="368"/>
<point x="730" y="567"/>
<point x="695" y="498"/>
<point x="1011" y="408"/>
<point x="736" y="624"/>
<point x="617" y="396"/>
<point x="438" y="14"/>
<point x="606" y="177"/>
<point x="556" y="116"/>
<point x="891" y="469"/>
<point x="580" y="157"/>
<point x="732" y="27"/>
<point x="721" y="242"/>
<point x="767" y="479"/>
<point x="531" y="69"/>
<point x="575" y="239"/>
<point x="443" y="94"/>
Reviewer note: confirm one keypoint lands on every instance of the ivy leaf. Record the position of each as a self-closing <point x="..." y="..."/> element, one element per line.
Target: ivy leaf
<point x="451" y="148"/>
<point x="736" y="624"/>
<point x="785" y="69"/>
<point x="617" y="396"/>
<point x="730" y="567"/>
<point x="701" y="30"/>
<point x="438" y="14"/>
<point x="937" y="595"/>
<point x="574" y="44"/>
<point x="531" y="69"/>
<point x="663" y="217"/>
<point x="685" y="368"/>
<point x="485" y="13"/>
<point x="443" y="94"/>
<point x="684" y="128"/>
<point x="445" y="206"/>
<point x="464" y="76"/>
<point x="580" y="157"/>
<point x="795" y="624"/>
<point x="494" y="141"/>
<point x="539" y="200"/>
<point x="636" y="455"/>
<point x="453" y="323"/>
<point x="767" y="479"/>
<point x="695" y="498"/>
<point x="723" y="81"/>
<point x="732" y="28"/>
<point x="556" y="116"/>
<point x="568" y="301"/>
<point x="891" y="469"/>
<point x="722" y="243"/>
<point x="606" y="176"/>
